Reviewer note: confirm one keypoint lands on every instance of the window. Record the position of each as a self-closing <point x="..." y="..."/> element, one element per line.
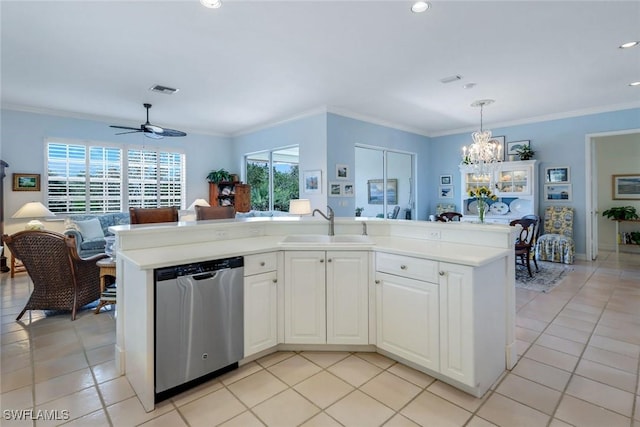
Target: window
<point x="83" y="177"/>
<point x="273" y="176"/>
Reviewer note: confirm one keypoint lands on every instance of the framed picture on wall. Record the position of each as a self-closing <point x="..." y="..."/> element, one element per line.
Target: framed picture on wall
<point x="312" y="181"/>
<point x="335" y="189"/>
<point x="342" y="171"/>
<point x="446" y="179"/>
<point x="26" y="182"/>
<point x="626" y="187"/>
<point x="348" y="189"/>
<point x="375" y="191"/>
<point x="557" y="175"/>
<point x="445" y="192"/>
<point x="557" y="192"/>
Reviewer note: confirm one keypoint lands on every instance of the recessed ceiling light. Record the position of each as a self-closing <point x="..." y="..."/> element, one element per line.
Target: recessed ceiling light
<point x="420" y="6"/>
<point x="211" y="4"/>
<point x="634" y="83"/>
<point x="627" y="45"/>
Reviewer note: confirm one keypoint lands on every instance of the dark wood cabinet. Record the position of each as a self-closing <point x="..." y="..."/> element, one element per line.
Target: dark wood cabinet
<point x="233" y="194"/>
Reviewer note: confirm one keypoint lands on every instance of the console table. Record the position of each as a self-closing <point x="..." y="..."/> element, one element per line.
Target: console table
<point x="617" y="237"/>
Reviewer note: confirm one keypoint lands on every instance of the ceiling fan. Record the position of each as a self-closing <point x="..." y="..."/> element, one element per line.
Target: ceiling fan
<point x="149" y="130"/>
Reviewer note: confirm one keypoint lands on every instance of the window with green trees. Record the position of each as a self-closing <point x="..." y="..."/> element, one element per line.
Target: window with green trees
<point x="273" y="176"/>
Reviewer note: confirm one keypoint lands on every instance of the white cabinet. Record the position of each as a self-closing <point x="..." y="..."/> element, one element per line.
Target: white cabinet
<point x="448" y="322"/>
<point x="514" y="183"/>
<point x="260" y="303"/>
<point x="408" y="319"/>
<point x="325" y="297"/>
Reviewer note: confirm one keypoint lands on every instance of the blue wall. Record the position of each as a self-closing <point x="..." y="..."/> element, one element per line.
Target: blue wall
<point x="556" y="143"/>
<point x="23" y="136"/>
<point x="343" y="135"/>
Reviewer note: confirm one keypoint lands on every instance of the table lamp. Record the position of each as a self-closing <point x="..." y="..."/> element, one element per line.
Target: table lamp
<point x="299" y="206"/>
<point x="33" y="210"/>
<point x="197" y="202"/>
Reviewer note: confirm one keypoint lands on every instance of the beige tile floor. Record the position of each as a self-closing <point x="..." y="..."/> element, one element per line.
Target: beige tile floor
<point x="579" y="346"/>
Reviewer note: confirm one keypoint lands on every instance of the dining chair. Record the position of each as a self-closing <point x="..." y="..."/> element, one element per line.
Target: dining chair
<point x="215" y="212"/>
<point x="449" y="216"/>
<point x="153" y="215"/>
<point x="525" y="241"/>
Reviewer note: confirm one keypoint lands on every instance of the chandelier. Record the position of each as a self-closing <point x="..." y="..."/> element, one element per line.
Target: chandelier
<point x="484" y="155"/>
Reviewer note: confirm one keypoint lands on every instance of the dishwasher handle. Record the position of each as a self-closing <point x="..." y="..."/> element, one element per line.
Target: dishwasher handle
<point x="202" y="276"/>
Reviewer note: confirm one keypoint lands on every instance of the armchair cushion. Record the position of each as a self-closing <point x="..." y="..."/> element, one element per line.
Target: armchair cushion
<point x="85" y="244"/>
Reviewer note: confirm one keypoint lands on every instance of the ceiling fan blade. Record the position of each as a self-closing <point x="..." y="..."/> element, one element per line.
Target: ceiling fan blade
<point x="131" y="131"/>
<point x="173" y="132"/>
<point x="124" y="127"/>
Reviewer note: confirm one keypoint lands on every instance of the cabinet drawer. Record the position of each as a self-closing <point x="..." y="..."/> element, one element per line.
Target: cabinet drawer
<point x="260" y="263"/>
<point x="400" y="265"/>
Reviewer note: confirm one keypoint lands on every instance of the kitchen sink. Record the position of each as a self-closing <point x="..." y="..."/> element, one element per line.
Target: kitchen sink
<point x="322" y="239"/>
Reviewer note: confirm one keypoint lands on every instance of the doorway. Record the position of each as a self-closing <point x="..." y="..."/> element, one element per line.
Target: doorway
<point x="607" y="154"/>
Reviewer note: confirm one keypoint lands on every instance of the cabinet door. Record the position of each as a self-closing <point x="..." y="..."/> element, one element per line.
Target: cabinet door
<point x="456" y="323"/>
<point x="347" y="297"/>
<point x="260" y="312"/>
<point x="407" y="319"/>
<point x="304" y="297"/>
<point x="514" y="180"/>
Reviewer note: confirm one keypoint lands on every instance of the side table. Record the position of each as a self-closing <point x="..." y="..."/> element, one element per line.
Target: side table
<point x="107" y="295"/>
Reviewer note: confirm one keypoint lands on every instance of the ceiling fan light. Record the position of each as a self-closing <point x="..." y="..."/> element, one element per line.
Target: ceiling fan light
<point x="211" y="4"/>
<point x="420" y="6"/>
<point x="634" y="83"/>
<point x="627" y="45"/>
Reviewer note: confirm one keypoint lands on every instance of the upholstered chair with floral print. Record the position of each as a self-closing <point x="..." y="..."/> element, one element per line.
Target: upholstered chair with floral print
<point x="556" y="244"/>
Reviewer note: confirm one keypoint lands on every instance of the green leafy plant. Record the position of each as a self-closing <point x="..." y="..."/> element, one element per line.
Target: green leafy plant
<point x="219" y="175"/>
<point x="525" y="152"/>
<point x="635" y="237"/>
<point x="621" y="212"/>
<point x="359" y="211"/>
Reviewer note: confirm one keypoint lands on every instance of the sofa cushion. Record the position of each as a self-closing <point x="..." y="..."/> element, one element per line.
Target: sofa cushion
<point x="90" y="229"/>
<point x="92" y="245"/>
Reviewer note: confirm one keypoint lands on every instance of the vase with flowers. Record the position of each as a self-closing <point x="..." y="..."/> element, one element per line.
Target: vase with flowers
<point x="483" y="195"/>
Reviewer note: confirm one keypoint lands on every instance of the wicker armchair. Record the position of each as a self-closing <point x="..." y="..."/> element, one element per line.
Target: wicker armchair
<point x="61" y="279"/>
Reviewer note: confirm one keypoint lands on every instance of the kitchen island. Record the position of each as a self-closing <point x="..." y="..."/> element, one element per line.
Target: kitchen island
<point x="438" y="297"/>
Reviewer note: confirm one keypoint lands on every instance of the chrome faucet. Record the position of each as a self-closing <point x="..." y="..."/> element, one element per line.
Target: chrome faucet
<point x="364" y="228"/>
<point x="328" y="218"/>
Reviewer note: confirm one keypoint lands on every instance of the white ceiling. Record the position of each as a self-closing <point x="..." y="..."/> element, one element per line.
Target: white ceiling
<point x="254" y="63"/>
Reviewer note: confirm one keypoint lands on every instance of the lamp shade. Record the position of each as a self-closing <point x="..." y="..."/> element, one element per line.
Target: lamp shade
<point x="300" y="206"/>
<point x="197" y="202"/>
<point x="33" y="210"/>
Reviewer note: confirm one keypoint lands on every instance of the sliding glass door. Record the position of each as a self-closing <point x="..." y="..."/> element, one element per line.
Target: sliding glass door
<point x="384" y="183"/>
<point x="273" y="176"/>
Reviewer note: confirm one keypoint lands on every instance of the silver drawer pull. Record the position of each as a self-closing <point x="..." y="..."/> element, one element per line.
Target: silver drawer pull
<point x="262" y="264"/>
<point x="377" y="282"/>
<point x="329" y="260"/>
<point x="442" y="273"/>
<point x="275" y="280"/>
<point x="322" y="260"/>
<point x="403" y="267"/>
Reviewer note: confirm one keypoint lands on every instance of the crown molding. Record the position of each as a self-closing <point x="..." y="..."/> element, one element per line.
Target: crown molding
<point x="544" y="118"/>
<point x="268" y="125"/>
<point x="376" y="121"/>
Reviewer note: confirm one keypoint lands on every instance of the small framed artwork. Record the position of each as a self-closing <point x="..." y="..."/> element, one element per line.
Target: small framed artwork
<point x="348" y="189"/>
<point x="312" y="181"/>
<point x="500" y="141"/>
<point x="514" y="146"/>
<point x="446" y="179"/>
<point x="557" y="175"/>
<point x="335" y="189"/>
<point x="26" y="182"/>
<point x="557" y="192"/>
<point x="343" y="172"/>
<point x="375" y="191"/>
<point x="445" y="192"/>
<point x="626" y="187"/>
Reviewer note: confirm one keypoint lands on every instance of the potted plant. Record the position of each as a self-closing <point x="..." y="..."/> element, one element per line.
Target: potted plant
<point x="359" y="211"/>
<point x="220" y="175"/>
<point x="525" y="152"/>
<point x="621" y="213"/>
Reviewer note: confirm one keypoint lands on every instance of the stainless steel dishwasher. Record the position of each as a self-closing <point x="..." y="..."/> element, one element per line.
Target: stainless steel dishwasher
<point x="199" y="329"/>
